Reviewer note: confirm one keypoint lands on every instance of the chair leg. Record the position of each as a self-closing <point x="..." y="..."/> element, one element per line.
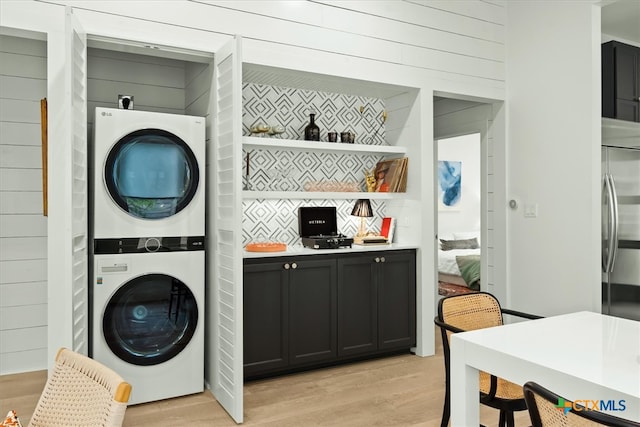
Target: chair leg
<point x="503" y="418"/>
<point x="510" y="420"/>
<point x="446" y="412"/>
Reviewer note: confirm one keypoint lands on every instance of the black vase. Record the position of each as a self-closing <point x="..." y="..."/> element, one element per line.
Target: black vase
<point x="312" y="131"/>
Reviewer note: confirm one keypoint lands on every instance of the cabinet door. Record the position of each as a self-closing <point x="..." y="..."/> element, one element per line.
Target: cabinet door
<point x="357" y="305"/>
<point x="627" y="110"/>
<point x="266" y="300"/>
<point x="627" y="72"/>
<point x="396" y="299"/>
<point x="312" y="310"/>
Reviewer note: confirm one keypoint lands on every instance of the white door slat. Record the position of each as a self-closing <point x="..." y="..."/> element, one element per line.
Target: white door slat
<point x="33" y="67"/>
<point x="20" y="133"/>
<point x="20" y="294"/>
<point x="23" y="361"/>
<point x="23" y="87"/>
<point x="20" y="179"/>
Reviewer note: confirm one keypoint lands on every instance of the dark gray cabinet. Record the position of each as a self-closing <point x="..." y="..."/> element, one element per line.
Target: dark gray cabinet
<point x="316" y="310"/>
<point x="266" y="317"/>
<point x="312" y="310"/>
<point x="621" y="81"/>
<point x="397" y="300"/>
<point x="376" y="302"/>
<point x="358" y="305"/>
<point x="289" y="312"/>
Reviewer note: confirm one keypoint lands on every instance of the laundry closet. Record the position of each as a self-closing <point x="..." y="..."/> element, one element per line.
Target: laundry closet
<point x="146" y="175"/>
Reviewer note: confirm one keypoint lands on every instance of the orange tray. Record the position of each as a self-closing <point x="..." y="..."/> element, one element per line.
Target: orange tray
<point x="266" y="247"/>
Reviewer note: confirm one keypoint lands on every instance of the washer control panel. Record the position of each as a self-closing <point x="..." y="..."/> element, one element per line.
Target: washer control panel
<point x="147" y="245"/>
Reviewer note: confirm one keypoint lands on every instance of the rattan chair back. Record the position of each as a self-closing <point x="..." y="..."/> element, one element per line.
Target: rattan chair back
<point x="81" y="392"/>
<point x="471" y="311"/>
<point x="545" y="412"/>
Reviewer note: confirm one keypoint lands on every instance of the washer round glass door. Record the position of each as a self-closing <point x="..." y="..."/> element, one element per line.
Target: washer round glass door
<point x="151" y="174"/>
<point x="150" y="319"/>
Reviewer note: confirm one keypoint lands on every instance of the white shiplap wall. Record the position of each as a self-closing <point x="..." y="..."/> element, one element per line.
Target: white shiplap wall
<point x="23" y="228"/>
<point x="454" y="47"/>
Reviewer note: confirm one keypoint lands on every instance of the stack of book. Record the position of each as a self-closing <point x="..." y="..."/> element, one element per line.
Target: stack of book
<point x="391" y="175"/>
<point x="387" y="228"/>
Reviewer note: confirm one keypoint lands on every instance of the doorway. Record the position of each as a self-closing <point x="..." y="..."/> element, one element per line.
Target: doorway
<point x="473" y="130"/>
<point x="459" y="213"/>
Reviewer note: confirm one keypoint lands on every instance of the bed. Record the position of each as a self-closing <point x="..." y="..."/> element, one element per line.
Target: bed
<point x="458" y="264"/>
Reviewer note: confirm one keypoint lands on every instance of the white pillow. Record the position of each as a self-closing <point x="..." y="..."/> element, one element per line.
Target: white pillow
<point x="467" y="235"/>
<point x="446" y="236"/>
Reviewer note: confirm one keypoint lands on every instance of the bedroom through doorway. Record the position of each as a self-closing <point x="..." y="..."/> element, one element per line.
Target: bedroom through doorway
<point x="459" y="198"/>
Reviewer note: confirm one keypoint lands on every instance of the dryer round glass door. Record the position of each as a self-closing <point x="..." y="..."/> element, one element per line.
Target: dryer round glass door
<point x="150" y="319"/>
<point x="151" y="174"/>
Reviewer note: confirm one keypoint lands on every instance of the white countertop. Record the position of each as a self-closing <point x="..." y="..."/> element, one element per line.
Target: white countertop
<point x="296" y="250"/>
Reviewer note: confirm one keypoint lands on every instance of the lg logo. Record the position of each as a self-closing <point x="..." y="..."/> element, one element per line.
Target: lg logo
<point x="107" y="114"/>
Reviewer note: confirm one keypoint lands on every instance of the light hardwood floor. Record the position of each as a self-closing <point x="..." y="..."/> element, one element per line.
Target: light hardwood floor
<point x="402" y="390"/>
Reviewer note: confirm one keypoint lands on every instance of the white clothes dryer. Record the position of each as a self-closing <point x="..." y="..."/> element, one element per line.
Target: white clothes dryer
<point x="148" y="174"/>
<point x="148" y="314"/>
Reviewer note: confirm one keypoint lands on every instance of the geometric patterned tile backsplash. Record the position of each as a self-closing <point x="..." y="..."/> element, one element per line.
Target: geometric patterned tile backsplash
<point x="272" y="105"/>
<point x="277" y="220"/>
<point x="276" y="170"/>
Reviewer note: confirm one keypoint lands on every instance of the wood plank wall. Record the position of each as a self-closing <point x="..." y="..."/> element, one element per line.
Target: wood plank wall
<point x="23" y="228"/>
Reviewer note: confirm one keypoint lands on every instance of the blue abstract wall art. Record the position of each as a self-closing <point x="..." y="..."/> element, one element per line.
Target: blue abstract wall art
<point x="449" y="182"/>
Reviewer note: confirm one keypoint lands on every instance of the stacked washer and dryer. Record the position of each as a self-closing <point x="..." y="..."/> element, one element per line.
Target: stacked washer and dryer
<point x="148" y="261"/>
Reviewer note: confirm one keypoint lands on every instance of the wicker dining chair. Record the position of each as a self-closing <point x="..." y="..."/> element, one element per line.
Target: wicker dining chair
<point x="81" y="392"/>
<point x="545" y="412"/>
<point x="466" y="312"/>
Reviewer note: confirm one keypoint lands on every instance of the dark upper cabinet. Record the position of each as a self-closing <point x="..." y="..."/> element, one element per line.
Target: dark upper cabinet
<point x="312" y="310"/>
<point x="621" y="81"/>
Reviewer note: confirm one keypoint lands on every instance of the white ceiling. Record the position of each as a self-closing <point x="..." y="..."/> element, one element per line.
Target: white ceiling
<point x="621" y="19"/>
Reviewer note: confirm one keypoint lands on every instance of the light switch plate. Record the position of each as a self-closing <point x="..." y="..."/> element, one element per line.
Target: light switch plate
<point x="530" y="210"/>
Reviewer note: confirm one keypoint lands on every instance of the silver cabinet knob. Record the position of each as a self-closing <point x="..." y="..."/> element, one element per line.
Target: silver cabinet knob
<point x="287" y="266"/>
<point x="382" y="259"/>
<point x="294" y="265"/>
<point x="377" y="259"/>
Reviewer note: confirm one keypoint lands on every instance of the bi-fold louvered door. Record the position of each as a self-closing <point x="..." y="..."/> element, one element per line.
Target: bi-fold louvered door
<point x="224" y="233"/>
<point x="76" y="78"/>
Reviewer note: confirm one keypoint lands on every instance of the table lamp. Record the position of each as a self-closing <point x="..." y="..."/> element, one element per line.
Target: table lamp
<point x="362" y="208"/>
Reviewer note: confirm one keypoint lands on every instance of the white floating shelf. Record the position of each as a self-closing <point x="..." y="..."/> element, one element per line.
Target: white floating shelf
<point x="249" y="142"/>
<point x="300" y="195"/>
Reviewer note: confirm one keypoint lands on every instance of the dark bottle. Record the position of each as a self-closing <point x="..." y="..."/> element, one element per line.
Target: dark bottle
<point x="312" y="131"/>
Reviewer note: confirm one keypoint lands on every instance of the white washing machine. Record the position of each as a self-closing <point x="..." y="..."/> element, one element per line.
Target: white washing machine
<point x="148" y="314"/>
<point x="148" y="174"/>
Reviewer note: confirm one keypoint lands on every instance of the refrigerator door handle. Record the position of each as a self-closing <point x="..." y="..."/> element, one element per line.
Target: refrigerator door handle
<point x="607" y="252"/>
<point x="613" y="239"/>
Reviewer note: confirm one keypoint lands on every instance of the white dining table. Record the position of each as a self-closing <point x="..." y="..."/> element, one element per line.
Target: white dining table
<point x="580" y="356"/>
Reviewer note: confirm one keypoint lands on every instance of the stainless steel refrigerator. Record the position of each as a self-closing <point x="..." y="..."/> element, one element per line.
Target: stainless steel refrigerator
<point x="621" y="219"/>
